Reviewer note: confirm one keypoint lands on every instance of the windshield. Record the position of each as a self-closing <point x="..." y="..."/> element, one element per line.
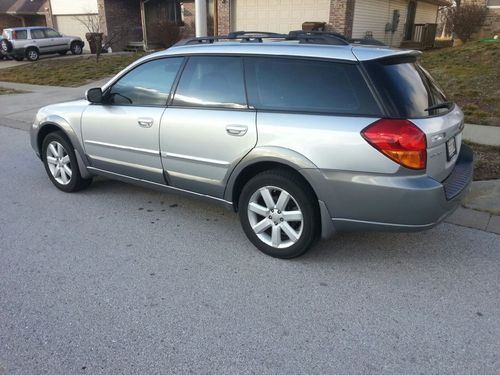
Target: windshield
<point x="406" y="87"/>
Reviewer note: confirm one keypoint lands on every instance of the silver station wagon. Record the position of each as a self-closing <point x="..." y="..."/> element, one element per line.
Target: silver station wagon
<point x="302" y="134"/>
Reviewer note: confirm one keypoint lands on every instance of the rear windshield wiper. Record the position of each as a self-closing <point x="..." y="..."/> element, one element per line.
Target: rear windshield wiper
<point x="448" y="105"/>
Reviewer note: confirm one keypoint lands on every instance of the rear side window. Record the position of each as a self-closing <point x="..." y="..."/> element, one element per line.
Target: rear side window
<point x="308" y="86"/>
<point x="406" y="88"/>
<point x="21" y="34"/>
<point x="212" y="81"/>
<point x="37" y="34"/>
<point x="147" y="85"/>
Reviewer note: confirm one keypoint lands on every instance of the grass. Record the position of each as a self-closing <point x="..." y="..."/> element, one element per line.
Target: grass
<point x="470" y="76"/>
<point x="7" y="91"/>
<point x="486" y="161"/>
<point x="68" y="72"/>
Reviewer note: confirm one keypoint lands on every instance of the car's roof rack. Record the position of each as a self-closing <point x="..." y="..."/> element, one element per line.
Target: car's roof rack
<point x="305" y="37"/>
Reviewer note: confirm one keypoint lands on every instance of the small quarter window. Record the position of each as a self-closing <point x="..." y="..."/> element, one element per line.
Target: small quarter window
<point x="21" y="35"/>
<point x="147" y="85"/>
<point x="212" y="82"/>
<point x="308" y="86"/>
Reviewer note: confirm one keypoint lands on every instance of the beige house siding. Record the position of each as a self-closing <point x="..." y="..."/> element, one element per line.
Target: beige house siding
<point x="426" y="13"/>
<point x="277" y="15"/>
<point x="373" y="15"/>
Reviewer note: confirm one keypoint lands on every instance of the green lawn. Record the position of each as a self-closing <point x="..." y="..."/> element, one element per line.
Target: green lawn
<point x="68" y="72"/>
<point x="470" y="75"/>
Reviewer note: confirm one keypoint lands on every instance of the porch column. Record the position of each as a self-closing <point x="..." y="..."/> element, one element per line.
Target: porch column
<point x="342" y="16"/>
<point x="200" y="7"/>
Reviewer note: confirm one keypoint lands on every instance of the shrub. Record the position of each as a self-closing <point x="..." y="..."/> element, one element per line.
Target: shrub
<point x="465" y="19"/>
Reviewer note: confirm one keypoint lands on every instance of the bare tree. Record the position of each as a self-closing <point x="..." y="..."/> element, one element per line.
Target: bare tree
<point x="465" y="20"/>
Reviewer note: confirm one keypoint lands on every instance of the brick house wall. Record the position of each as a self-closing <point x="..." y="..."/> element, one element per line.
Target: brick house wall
<point x="120" y="21"/>
<point x="7" y="21"/>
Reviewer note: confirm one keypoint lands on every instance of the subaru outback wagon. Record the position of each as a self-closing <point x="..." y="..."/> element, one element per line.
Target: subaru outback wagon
<point x="300" y="136"/>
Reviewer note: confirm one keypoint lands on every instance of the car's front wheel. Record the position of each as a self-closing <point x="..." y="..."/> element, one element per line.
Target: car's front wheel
<point x="76" y="48"/>
<point x="279" y="214"/>
<point x="60" y="163"/>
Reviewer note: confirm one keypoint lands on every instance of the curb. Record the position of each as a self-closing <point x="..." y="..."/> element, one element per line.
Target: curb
<point x="475" y="219"/>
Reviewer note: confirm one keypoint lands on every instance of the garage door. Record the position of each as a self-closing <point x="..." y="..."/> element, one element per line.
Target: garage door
<point x="278" y="15"/>
<point x="69" y="25"/>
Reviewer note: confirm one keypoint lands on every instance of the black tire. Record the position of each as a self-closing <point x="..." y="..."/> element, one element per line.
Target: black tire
<point x="76" y="182"/>
<point x="62" y="53"/>
<point x="304" y="198"/>
<point x="5" y="46"/>
<point x="32" y="54"/>
<point x="76" y="48"/>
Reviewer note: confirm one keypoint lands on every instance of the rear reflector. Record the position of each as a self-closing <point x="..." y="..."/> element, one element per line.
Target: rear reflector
<point x="14" y="35"/>
<point x="400" y="140"/>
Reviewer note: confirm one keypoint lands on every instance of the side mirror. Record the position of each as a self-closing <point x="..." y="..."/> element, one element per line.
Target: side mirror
<point x="94" y="95"/>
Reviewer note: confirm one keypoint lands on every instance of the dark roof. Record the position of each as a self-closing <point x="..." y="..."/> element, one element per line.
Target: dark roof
<point x="22" y="6"/>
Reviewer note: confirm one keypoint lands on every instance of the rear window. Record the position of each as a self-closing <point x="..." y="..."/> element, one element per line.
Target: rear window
<point x="308" y="86"/>
<point x="406" y="87"/>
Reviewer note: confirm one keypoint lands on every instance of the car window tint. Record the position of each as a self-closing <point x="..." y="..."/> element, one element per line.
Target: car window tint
<point x="406" y="88"/>
<point x="50" y="33"/>
<point x="37" y="34"/>
<point x="21" y="34"/>
<point x="308" y="85"/>
<point x="212" y="82"/>
<point x="148" y="84"/>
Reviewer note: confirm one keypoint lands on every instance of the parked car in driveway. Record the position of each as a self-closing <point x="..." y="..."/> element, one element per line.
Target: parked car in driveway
<point x="31" y="42"/>
<point x="303" y="136"/>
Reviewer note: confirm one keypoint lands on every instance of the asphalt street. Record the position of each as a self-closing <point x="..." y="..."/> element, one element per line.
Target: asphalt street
<point x="122" y="280"/>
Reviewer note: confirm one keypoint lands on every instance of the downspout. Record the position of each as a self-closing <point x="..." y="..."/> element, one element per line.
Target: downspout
<point x="216" y="18"/>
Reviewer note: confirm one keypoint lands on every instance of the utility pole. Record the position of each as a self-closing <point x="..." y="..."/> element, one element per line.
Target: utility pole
<point x="200" y="8"/>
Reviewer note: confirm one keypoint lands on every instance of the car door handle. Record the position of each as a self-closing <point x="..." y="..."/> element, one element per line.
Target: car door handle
<point x="145" y="122"/>
<point x="237" y="130"/>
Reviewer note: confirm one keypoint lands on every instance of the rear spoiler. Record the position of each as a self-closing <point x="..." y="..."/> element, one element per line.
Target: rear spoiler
<point x="384" y="54"/>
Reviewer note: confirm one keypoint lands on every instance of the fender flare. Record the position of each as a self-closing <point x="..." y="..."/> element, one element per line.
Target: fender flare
<point x="65" y="127"/>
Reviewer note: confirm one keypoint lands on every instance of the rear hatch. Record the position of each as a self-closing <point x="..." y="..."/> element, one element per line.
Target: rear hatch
<point x="408" y="91"/>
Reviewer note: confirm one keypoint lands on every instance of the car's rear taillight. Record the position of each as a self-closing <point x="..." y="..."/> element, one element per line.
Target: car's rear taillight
<point x="14" y="35"/>
<point x="400" y="140"/>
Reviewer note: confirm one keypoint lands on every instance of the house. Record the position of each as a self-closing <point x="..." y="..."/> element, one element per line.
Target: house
<point x="410" y="23"/>
<point x="15" y="13"/>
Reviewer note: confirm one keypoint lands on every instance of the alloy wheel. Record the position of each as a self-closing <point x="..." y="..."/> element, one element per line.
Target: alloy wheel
<point x="275" y="217"/>
<point x="59" y="163"/>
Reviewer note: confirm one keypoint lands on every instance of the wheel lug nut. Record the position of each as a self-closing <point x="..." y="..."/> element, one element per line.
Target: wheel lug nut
<point x="281" y="219"/>
<point x="270" y="217"/>
<point x="279" y="212"/>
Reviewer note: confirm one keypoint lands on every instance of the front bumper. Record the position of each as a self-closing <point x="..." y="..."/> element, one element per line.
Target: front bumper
<point x="391" y="203"/>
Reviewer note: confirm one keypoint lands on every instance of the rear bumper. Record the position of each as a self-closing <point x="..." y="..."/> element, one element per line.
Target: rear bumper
<point x="391" y="203"/>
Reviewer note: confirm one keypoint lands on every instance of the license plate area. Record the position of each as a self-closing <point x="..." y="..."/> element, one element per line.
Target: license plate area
<point x="451" y="148"/>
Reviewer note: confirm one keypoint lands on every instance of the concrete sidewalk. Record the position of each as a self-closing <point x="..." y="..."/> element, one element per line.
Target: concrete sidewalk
<point x="19" y="110"/>
<point x="482" y="134"/>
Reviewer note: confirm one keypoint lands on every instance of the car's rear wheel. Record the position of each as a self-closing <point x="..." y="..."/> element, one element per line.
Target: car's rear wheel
<point x="60" y="163"/>
<point x="32" y="54"/>
<point x="279" y="214"/>
<point x="76" y="48"/>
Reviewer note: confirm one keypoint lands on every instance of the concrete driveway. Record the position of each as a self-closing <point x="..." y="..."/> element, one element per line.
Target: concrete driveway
<point x="122" y="280"/>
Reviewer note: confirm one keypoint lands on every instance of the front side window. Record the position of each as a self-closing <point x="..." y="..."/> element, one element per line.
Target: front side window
<point x="51" y="33"/>
<point x="37" y="34"/>
<point x="147" y="85"/>
<point x="212" y="81"/>
<point x="308" y="85"/>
